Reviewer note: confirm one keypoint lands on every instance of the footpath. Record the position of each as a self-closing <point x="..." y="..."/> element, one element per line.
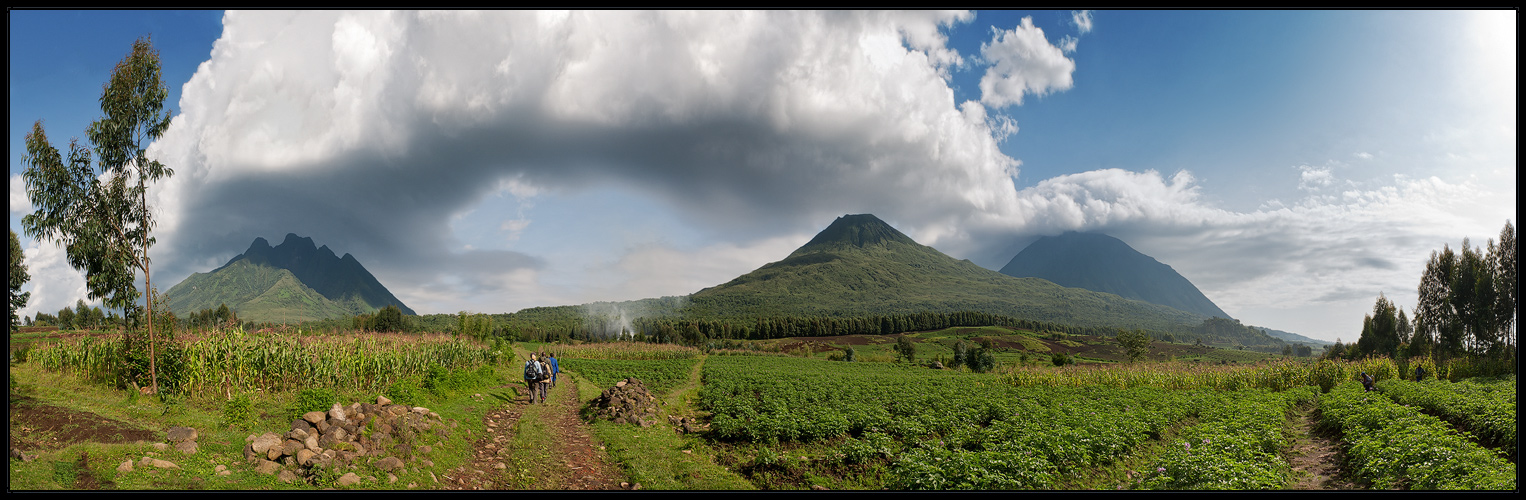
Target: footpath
<point x="537" y="447"/>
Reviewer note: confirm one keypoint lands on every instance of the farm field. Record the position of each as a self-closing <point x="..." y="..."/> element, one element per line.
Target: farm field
<point x="784" y="420"/>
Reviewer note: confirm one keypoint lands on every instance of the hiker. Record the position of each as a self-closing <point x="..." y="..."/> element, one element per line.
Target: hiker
<point x="555" y="369"/>
<point x="1419" y="373"/>
<point x="545" y="377"/>
<point x="532" y="377"/>
<point x="1367" y="382"/>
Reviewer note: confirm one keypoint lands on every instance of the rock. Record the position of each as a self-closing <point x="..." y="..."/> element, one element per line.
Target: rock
<point x="265" y="442"/>
<point x="818" y="487"/>
<point x="181" y="434"/>
<point x="336" y="413"/>
<point x="161" y="446"/>
<point x="162" y="464"/>
<point x="313" y="417"/>
<point x="125" y="467"/>
<point x="287" y="476"/>
<point x="186" y="447"/>
<point x="389" y="464"/>
<point x="349" y="479"/>
<point x="305" y="456"/>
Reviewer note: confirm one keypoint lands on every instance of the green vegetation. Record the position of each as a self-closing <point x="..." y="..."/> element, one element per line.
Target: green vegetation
<point x="98" y="211"/>
<point x="1397" y="446"/>
<point x="17" y="276"/>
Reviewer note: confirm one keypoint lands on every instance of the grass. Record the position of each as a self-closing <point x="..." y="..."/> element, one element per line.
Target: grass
<point x="218" y="443"/>
<point x="657" y="457"/>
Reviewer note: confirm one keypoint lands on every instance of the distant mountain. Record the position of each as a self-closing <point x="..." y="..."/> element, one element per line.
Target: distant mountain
<point x="290" y="282"/>
<point x="1293" y="338"/>
<point x="859" y="265"/>
<point x="1102" y="263"/>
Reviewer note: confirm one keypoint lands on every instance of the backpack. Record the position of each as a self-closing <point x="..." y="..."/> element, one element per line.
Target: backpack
<point x="532" y="370"/>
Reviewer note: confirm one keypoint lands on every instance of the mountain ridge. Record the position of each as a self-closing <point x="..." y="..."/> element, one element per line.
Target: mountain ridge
<point x="1102" y="263"/>
<point x="861" y="265"/>
<point x="255" y="284"/>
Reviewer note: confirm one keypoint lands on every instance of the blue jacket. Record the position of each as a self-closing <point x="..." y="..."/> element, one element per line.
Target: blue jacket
<point x="554" y="369"/>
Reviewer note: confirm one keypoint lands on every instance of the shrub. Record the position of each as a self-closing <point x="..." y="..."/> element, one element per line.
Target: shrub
<point x="313" y="399"/>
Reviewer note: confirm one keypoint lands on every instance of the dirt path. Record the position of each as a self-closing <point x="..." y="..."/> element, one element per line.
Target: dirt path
<point x="1316" y="456"/>
<point x="536" y="447"/>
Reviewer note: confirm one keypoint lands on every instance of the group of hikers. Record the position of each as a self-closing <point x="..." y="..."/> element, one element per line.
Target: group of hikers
<point x="540" y="375"/>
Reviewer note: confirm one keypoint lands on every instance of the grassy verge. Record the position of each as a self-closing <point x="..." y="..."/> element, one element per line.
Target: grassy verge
<point x="658" y="457"/>
<point x="220" y="442"/>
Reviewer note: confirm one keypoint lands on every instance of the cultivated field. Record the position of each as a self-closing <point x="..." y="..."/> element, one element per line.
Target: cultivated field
<point x="776" y="414"/>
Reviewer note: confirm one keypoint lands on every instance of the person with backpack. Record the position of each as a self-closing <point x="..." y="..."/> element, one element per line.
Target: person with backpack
<point x="555" y="369"/>
<point x="1367" y="382"/>
<point x="545" y="376"/>
<point x="533" y="374"/>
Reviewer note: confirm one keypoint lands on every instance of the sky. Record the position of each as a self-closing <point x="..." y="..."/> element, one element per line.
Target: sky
<point x="1291" y="164"/>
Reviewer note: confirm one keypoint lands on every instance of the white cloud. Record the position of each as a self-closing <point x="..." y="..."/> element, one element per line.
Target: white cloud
<point x="20" y="202"/>
<point x="1082" y="20"/>
<point x="1324" y="257"/>
<point x="373" y="131"/>
<point x="1314" y="178"/>
<point x="54" y="284"/>
<point x="1022" y="62"/>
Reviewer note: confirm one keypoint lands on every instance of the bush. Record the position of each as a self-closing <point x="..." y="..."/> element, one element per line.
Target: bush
<point x="237" y="411"/>
<point x="404" y="391"/>
<point x="313" y="399"/>
<point x="169" y="363"/>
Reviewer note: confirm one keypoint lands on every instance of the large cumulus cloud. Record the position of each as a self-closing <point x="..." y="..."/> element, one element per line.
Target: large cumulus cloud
<point x="371" y="129"/>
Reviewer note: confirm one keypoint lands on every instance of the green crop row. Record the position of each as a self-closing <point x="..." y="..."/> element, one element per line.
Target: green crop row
<point x="937" y="429"/>
<point x="1234" y="447"/>
<point x="1397" y="446"/>
<point x="1482" y="409"/>
<point x="658" y="375"/>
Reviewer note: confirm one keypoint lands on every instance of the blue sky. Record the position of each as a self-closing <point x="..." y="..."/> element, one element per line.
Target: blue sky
<point x="1292" y="164"/>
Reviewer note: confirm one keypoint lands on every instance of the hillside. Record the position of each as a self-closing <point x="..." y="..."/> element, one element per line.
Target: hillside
<point x="859" y="265"/>
<point x="1102" y="263"/>
<point x="291" y="282"/>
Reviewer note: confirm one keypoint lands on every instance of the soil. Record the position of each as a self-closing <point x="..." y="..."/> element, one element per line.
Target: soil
<point x="36" y="426"/>
<point x="1316" y="456"/>
<point x="581" y="464"/>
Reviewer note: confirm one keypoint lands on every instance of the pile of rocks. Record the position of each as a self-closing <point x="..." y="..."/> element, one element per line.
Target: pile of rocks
<point x="343" y="436"/>
<point x="628" y="402"/>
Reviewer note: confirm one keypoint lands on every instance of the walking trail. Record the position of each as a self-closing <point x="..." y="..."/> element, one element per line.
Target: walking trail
<point x="537" y="447"/>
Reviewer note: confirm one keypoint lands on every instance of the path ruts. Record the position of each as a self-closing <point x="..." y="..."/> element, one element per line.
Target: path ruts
<point x="568" y="459"/>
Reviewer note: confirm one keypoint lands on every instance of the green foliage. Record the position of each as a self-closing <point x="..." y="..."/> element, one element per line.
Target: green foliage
<point x="905" y="349"/>
<point x="98" y="212"/>
<point x="1135" y="343"/>
<point x="658" y="375"/>
<point x="1396" y="446"/>
<point x="1487" y="410"/>
<point x="405" y="391"/>
<point x="1061" y="359"/>
<point x="1468" y="300"/>
<point x="861" y="267"/>
<point x="313" y="399"/>
<point x="1234" y="447"/>
<point x="238" y="411"/>
<point x="17" y="276"/>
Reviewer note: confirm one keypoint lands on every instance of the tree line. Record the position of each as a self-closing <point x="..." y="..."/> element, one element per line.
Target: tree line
<point x="1467" y="306"/>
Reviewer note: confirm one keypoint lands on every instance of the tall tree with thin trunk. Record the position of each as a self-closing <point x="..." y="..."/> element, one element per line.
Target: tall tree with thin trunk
<point x="99" y="210"/>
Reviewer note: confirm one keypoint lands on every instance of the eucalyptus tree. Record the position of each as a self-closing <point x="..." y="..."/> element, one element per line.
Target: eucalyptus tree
<point x="98" y="210"/>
